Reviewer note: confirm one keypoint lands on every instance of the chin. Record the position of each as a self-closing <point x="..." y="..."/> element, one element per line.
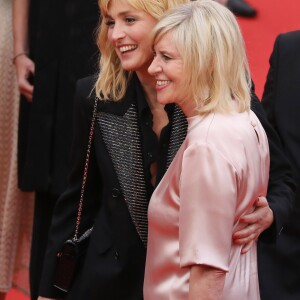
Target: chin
<point x="128" y="67"/>
<point x="132" y="65"/>
<point x="163" y="101"/>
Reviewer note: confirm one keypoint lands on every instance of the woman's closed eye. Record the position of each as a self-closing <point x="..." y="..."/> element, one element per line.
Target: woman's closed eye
<point x="165" y="57"/>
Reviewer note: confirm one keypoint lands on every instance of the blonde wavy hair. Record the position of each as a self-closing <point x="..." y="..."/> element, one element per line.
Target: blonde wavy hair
<point x="210" y="43"/>
<point x="113" y="79"/>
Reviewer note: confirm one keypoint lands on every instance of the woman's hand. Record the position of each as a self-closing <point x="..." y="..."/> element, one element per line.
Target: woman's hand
<point x="25" y="70"/>
<point x="257" y="221"/>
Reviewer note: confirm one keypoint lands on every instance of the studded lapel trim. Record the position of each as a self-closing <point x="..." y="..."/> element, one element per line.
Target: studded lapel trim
<point x="121" y="135"/>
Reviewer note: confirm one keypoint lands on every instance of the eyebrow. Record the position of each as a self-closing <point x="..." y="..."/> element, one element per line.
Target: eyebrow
<point x="164" y="52"/>
<point x="123" y="13"/>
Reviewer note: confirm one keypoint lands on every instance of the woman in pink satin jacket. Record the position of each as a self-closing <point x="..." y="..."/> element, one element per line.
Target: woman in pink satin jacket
<point x="221" y="168"/>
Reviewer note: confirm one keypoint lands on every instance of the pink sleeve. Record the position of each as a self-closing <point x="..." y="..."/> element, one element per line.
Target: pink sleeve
<point x="208" y="199"/>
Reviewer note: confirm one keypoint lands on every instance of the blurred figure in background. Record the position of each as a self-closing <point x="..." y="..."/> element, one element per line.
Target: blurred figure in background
<point x="240" y="8"/>
<point x="16" y="207"/>
<point x="54" y="46"/>
<point x="281" y="264"/>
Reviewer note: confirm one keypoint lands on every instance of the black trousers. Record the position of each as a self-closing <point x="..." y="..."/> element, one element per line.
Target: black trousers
<point x="43" y="210"/>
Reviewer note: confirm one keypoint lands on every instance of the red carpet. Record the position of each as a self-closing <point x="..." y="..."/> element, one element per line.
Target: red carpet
<point x="274" y="17"/>
<point x="16" y="295"/>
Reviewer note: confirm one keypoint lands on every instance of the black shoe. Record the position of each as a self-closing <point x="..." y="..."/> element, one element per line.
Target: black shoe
<point x="241" y="8"/>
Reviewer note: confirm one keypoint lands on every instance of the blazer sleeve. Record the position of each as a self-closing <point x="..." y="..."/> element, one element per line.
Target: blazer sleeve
<point x="65" y="213"/>
<point x="270" y="89"/>
<point x="281" y="187"/>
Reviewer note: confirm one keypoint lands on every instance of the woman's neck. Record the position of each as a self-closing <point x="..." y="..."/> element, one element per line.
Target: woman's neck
<point x="189" y="108"/>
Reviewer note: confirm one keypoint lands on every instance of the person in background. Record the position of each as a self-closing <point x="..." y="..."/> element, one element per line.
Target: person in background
<point x="219" y="171"/>
<point x="53" y="46"/>
<point x="239" y="8"/>
<point x="16" y="207"/>
<point x="281" y="262"/>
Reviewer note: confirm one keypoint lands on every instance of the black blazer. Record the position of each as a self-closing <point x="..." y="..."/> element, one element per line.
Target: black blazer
<point x="114" y="266"/>
<point x="281" y="102"/>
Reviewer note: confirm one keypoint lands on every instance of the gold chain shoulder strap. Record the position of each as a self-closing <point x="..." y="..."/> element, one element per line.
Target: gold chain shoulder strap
<point x="85" y="172"/>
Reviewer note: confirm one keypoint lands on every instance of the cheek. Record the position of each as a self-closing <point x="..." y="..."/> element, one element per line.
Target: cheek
<point x="149" y="56"/>
<point x="145" y="42"/>
<point x="109" y="37"/>
<point x="147" y="53"/>
<point x="180" y="78"/>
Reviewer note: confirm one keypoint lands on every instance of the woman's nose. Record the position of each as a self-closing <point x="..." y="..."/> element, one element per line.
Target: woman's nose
<point x="154" y="68"/>
<point x="117" y="33"/>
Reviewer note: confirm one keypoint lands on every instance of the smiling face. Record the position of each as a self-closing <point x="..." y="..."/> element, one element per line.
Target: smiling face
<point x="128" y="32"/>
<point x="167" y="68"/>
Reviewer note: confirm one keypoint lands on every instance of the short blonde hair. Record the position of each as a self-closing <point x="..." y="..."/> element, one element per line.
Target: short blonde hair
<point x="210" y="43"/>
<point x="113" y="79"/>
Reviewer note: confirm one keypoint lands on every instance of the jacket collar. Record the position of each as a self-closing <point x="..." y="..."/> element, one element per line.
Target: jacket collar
<point x="119" y="108"/>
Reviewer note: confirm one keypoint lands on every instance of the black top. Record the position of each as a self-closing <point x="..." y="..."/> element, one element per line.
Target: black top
<point x="154" y="149"/>
<point x="63" y="48"/>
